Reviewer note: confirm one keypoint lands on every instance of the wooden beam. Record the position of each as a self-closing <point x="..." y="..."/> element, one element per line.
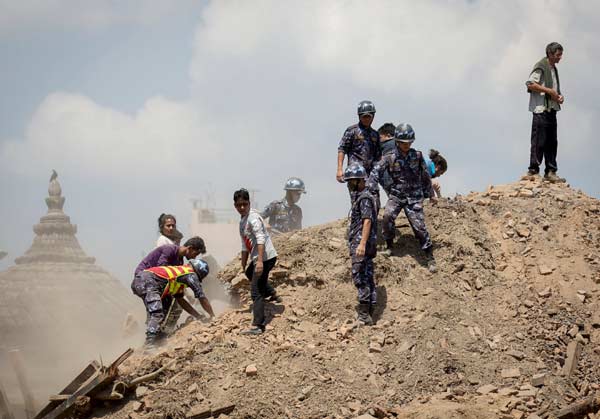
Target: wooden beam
<point x="5" y="412"/>
<point x="579" y="409"/>
<point x="84" y="375"/>
<point x="16" y="359"/>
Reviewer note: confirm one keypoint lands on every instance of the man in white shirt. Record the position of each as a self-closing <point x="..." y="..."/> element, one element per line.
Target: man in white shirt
<point x="545" y="99"/>
<point x="257" y="244"/>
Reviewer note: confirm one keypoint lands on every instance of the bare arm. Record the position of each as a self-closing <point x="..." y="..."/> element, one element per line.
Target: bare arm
<point x="244" y="259"/>
<point x="207" y="306"/>
<point x="536" y="87"/>
<point x="258" y="268"/>
<point x="366" y="231"/>
<point x="340" y="164"/>
<point x="188" y="307"/>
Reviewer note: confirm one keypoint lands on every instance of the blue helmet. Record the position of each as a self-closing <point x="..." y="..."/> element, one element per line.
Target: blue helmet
<point x="200" y="267"/>
<point x="355" y="171"/>
<point x="366" y="106"/>
<point x="404" y="133"/>
<point x="294" y="184"/>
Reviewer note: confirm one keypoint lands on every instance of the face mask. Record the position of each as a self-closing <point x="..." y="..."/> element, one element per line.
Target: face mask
<point x="353" y="186"/>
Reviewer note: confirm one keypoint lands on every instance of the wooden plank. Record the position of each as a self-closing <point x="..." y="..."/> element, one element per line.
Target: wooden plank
<point x="91" y="386"/>
<point x="573" y="352"/>
<point x="5" y="412"/>
<point x="84" y="375"/>
<point x="579" y="409"/>
<point x="16" y="359"/>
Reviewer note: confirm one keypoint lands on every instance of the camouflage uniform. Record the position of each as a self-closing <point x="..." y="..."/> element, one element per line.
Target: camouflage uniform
<point x="361" y="145"/>
<point x="411" y="184"/>
<point x="283" y="216"/>
<point x="150" y="287"/>
<point x="363" y="207"/>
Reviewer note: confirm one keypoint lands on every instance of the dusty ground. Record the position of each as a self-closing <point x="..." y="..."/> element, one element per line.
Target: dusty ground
<point x="519" y="267"/>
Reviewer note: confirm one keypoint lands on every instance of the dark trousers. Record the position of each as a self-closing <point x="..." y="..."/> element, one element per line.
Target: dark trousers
<point x="259" y="290"/>
<point x="544" y="142"/>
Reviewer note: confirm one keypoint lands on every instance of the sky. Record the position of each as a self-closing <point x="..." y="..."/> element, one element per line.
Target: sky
<point x="142" y="106"/>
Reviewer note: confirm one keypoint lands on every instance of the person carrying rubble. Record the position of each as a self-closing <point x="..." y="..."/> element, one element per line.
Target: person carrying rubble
<point x="167" y="227"/>
<point x="411" y="185"/>
<point x="256" y="245"/>
<point x="157" y="286"/>
<point x="360" y="142"/>
<point x="285" y="215"/>
<point x="171" y="254"/>
<point x="362" y="240"/>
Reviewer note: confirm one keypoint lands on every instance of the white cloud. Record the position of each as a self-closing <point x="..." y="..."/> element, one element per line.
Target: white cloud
<point x="18" y="17"/>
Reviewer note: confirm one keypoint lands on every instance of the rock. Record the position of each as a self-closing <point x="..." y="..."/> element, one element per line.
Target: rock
<point x="538" y="380"/>
<point x="545" y="293"/>
<point x="374" y="347"/>
<point x="596" y="319"/>
<point x="516" y="354"/>
<point x="523" y="232"/>
<point x="573" y="331"/>
<point x="141" y="391"/>
<point x="406" y="346"/>
<point x="510" y="373"/>
<point x="478" y="284"/>
<point x="579" y="338"/>
<point x="279" y="273"/>
<point x="251" y="370"/>
<point x="199" y="412"/>
<point x="573" y="352"/>
<point x="545" y="270"/>
<point x="193" y="388"/>
<point x="335" y="243"/>
<point x="354" y="406"/>
<point x="508" y="391"/>
<point x="365" y="416"/>
<point x="526" y="193"/>
<point x="517" y="414"/>
<point x="137" y="406"/>
<point x="527" y="393"/>
<point x="239" y="281"/>
<point x="528" y="303"/>
<point x="486" y="389"/>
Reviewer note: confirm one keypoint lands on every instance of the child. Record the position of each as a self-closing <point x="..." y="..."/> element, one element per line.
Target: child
<point x="362" y="241"/>
<point x="437" y="166"/>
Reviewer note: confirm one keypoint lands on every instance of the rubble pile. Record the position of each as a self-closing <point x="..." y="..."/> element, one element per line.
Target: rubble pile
<point x="509" y="326"/>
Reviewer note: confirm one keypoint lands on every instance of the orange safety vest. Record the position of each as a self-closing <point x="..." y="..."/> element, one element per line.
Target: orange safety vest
<point x="171" y="273"/>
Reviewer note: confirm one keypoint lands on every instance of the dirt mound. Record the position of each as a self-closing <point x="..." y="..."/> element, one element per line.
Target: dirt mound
<point x="495" y="333"/>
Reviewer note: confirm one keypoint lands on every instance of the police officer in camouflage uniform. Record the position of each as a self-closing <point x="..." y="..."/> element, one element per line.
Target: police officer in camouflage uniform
<point x="360" y="142"/>
<point x="158" y="286"/>
<point x="362" y="240"/>
<point x="285" y="215"/>
<point x="411" y="185"/>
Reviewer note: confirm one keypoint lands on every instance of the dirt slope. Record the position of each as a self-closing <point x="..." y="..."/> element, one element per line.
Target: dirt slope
<point x="519" y="267"/>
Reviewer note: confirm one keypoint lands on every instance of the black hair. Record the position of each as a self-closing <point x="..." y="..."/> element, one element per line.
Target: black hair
<point x="552" y="47"/>
<point x="196" y="243"/>
<point x="162" y="220"/>
<point x="388" y="129"/>
<point x="438" y="160"/>
<point x="241" y="194"/>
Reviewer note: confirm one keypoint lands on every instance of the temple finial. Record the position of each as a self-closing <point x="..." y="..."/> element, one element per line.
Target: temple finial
<point x="54" y="201"/>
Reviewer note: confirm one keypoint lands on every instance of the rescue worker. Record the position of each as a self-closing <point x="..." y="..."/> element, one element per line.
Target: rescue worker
<point x="285" y="215"/>
<point x="411" y="185"/>
<point x="256" y="244"/>
<point x="158" y="285"/>
<point x="360" y="142"/>
<point x="362" y="240"/>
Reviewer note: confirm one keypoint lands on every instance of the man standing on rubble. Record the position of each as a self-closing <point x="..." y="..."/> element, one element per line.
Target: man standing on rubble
<point x="285" y="215"/>
<point x="360" y="142"/>
<point x="545" y="99"/>
<point x="411" y="185"/>
<point x="362" y="240"/>
<point x="257" y="245"/>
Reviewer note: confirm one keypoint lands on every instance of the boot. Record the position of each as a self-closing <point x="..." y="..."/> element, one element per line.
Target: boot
<point x="364" y="317"/>
<point x="154" y="340"/>
<point x="254" y="331"/>
<point x="552" y="177"/>
<point x="389" y="245"/>
<point x="431" y="265"/>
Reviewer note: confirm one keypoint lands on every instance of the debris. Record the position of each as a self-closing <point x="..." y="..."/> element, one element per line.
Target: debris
<point x="251" y="370"/>
<point x="579" y="409"/>
<point x="516" y="354"/>
<point x="573" y="352"/>
<point x="538" y="380"/>
<point x="510" y="373"/>
<point x="486" y="389"/>
<point x="545" y="270"/>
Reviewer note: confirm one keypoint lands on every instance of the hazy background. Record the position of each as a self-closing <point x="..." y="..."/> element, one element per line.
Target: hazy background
<point x="141" y="106"/>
